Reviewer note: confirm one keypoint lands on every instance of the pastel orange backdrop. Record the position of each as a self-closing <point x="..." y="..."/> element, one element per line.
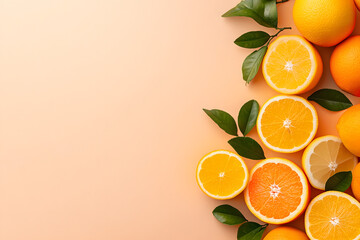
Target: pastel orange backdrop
<point x="101" y="122"/>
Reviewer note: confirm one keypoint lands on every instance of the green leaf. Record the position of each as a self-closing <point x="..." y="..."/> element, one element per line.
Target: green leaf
<point x="330" y="99"/>
<point x="251" y="231"/>
<point x="224" y="120"/>
<point x="252" y="39"/>
<point x="247" y="147"/>
<point x="251" y="64"/>
<point x="340" y="181"/>
<point x="247" y="116"/>
<point x="263" y="12"/>
<point x="228" y="215"/>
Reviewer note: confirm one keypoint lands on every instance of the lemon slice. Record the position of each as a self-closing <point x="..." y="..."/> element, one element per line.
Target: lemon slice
<point x="324" y="157"/>
<point x="287" y="123"/>
<point x="292" y="65"/>
<point x="222" y="174"/>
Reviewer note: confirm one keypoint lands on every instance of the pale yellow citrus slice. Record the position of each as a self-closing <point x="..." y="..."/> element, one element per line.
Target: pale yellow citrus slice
<point x="324" y="157"/>
<point x="287" y="123"/>
<point x="333" y="215"/>
<point x="278" y="191"/>
<point x="222" y="174"/>
<point x="292" y="65"/>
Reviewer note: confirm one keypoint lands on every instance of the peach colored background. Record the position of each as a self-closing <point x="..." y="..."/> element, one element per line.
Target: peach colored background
<point x="101" y="122"/>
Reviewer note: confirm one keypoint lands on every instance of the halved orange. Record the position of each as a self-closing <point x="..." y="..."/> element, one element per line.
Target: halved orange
<point x="222" y="174"/>
<point x="292" y="65"/>
<point x="287" y="123"/>
<point x="324" y="157"/>
<point x="333" y="215"/>
<point x="278" y="191"/>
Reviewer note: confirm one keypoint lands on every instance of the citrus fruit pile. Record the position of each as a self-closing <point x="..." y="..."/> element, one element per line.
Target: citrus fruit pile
<point x="277" y="190"/>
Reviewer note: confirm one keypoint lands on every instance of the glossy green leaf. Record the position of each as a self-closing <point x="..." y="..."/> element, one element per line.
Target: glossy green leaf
<point x="330" y="99"/>
<point x="224" y="120"/>
<point x="252" y="63"/>
<point x="247" y="116"/>
<point x="252" y="39"/>
<point x="340" y="181"/>
<point x="228" y="215"/>
<point x="263" y="12"/>
<point x="251" y="231"/>
<point x="247" y="147"/>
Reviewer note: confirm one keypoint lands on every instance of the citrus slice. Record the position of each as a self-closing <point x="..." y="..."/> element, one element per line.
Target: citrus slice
<point x="324" y="157"/>
<point x="222" y="174"/>
<point x="333" y="215"/>
<point x="287" y="123"/>
<point x="292" y="65"/>
<point x="278" y="191"/>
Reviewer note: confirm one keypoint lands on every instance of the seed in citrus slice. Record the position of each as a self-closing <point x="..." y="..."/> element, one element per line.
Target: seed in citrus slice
<point x="287" y="123"/>
<point x="222" y="174"/>
<point x="324" y="157"/>
<point x="278" y="191"/>
<point x="333" y="215"/>
<point x="292" y="65"/>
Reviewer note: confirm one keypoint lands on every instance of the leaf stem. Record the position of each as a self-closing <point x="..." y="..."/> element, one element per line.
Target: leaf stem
<point x="276" y="34"/>
<point x="280" y="30"/>
<point x="282" y="1"/>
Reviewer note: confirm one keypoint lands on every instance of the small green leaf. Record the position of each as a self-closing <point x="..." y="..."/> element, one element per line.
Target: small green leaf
<point x="263" y="12"/>
<point x="247" y="116"/>
<point x="228" y="215"/>
<point x="330" y="99"/>
<point x="251" y="64"/>
<point x="251" y="231"/>
<point x="252" y="39"/>
<point x="340" y="181"/>
<point x="247" y="147"/>
<point x="224" y="120"/>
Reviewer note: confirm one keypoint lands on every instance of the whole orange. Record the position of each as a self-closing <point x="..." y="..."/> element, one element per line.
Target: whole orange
<point x="286" y="233"/>
<point x="348" y="128"/>
<point x="355" y="184"/>
<point x="325" y="22"/>
<point x="345" y="65"/>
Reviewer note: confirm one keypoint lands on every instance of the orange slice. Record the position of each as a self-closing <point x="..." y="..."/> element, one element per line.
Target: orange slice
<point x="287" y="123"/>
<point x="292" y="65"/>
<point x="222" y="174"/>
<point x="278" y="191"/>
<point x="324" y="157"/>
<point x="333" y="216"/>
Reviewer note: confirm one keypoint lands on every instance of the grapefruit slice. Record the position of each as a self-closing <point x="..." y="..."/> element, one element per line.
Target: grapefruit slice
<point x="278" y="191"/>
